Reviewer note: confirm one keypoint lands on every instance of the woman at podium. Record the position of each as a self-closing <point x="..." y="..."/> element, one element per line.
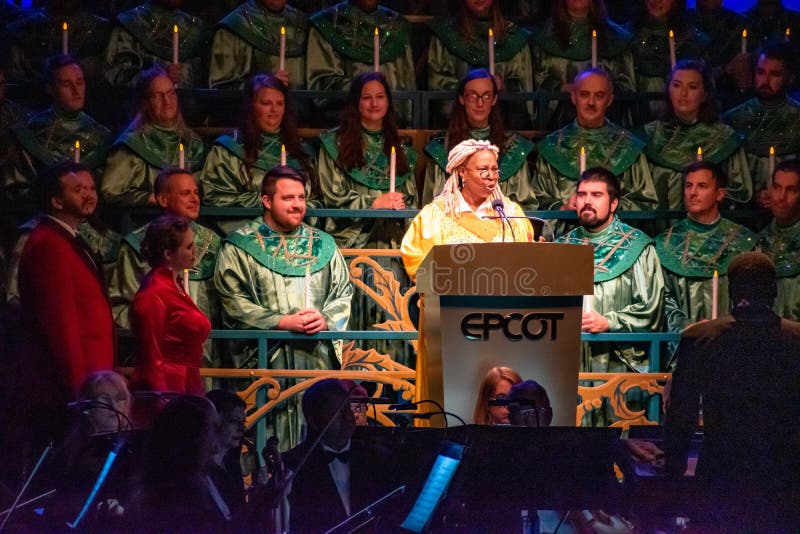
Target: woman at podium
<point x="470" y="209"/>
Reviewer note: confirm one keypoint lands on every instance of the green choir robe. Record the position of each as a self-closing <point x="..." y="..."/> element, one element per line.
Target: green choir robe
<point x="724" y="27"/>
<point x="48" y="138"/>
<point x="554" y="65"/>
<point x="690" y="252"/>
<point x="260" y="277"/>
<point x="12" y="188"/>
<point x="143" y="38"/>
<point x="612" y="147"/>
<point x="764" y="125"/>
<point x="652" y="60"/>
<point x="671" y="145"/>
<point x="138" y="156"/>
<point x="247" y="41"/>
<point x="340" y="46"/>
<point x="359" y="187"/>
<point x="628" y="292"/>
<point x="782" y="244"/>
<point x="36" y="36"/>
<point x="515" y="177"/>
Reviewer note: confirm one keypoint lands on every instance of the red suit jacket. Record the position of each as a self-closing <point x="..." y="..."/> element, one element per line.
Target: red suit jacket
<point x="171" y="330"/>
<point x="70" y="329"/>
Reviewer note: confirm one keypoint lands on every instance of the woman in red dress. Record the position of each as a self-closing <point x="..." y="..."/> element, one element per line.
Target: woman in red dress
<point x="168" y="325"/>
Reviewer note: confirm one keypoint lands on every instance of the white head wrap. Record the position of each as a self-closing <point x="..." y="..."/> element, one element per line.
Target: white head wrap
<point x="455" y="159"/>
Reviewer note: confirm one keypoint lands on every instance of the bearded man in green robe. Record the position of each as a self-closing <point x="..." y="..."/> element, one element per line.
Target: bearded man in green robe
<point x="694" y="249"/>
<point x="780" y="240"/>
<point x="278" y="273"/>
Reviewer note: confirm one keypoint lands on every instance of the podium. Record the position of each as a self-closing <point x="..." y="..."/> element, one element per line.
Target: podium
<point x="512" y="304"/>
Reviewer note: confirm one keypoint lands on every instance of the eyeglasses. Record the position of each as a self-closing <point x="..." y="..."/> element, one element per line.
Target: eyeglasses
<point x="474" y="97"/>
<point x="485" y="173"/>
<point x="163" y="96"/>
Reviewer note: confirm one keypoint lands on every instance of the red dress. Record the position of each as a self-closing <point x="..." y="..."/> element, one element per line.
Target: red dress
<point x="171" y="330"/>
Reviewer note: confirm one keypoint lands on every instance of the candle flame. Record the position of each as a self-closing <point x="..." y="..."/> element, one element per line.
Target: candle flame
<point x="772" y="151"/>
<point x="583" y="150"/>
<point x="594" y="34"/>
<point x="700" y="152"/>
<point x="671" y="34"/>
<point x="491" y="32"/>
<point x="376" y="30"/>
<point x="744" y="33"/>
<point x="175" y="28"/>
<point x="788" y="32"/>
<point x="180" y="147"/>
<point x="283" y="148"/>
<point x="392" y="149"/>
<point x="77" y="144"/>
<point x="64" y="26"/>
<point x="716" y="275"/>
<point x="283" y="30"/>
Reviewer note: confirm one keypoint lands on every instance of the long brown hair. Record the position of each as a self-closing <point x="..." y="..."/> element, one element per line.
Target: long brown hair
<point x="459" y="128"/>
<point x="251" y="135"/>
<point x="706" y="114"/>
<point x="465" y="21"/>
<point x="486" y="390"/>
<point x="351" y="145"/>
<point x="142" y="92"/>
<point x="598" y="18"/>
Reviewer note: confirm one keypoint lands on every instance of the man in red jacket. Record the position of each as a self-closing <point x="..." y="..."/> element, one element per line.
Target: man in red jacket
<point x="68" y="327"/>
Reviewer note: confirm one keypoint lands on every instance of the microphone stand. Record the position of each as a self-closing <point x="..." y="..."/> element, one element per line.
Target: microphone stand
<point x="25" y="486"/>
<point x="367" y="511"/>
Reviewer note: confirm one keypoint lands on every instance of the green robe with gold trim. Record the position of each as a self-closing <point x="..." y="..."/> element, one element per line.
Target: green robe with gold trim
<point x="260" y="277"/>
<point x="782" y="244"/>
<point x="359" y="187"/>
<point x="12" y="189"/>
<point x="671" y="145"/>
<point x="247" y="41"/>
<point x="764" y="125"/>
<point x="651" y="56"/>
<point x="138" y="156"/>
<point x="340" y="46"/>
<point x="628" y="292"/>
<point x="554" y="65"/>
<point x="142" y="38"/>
<point x="611" y="147"/>
<point x="690" y="252"/>
<point x="515" y="177"/>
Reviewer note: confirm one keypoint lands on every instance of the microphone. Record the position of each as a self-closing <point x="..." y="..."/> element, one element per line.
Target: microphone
<point x="499" y="207"/>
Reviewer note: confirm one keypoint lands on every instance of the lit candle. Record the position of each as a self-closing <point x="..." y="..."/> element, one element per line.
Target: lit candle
<point x="175" y="44"/>
<point x="77" y="153"/>
<point x="181" y="157"/>
<point x="283" y="154"/>
<point x="307" y="284"/>
<point x="64" y="38"/>
<point x="744" y="41"/>
<point x="186" y="280"/>
<point x="788" y="35"/>
<point x="771" y="166"/>
<point x="376" y="50"/>
<point x="671" y="49"/>
<point x="587" y="303"/>
<point x="714" y="294"/>
<point x="392" y="170"/>
<point x="491" y="51"/>
<point x="594" y="49"/>
<point x="582" y="160"/>
<point x="699" y="153"/>
<point x="282" y="54"/>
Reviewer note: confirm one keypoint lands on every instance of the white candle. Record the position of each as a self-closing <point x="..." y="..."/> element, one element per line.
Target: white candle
<point x="582" y="160"/>
<point x="392" y="170"/>
<point x="376" y="50"/>
<point x="186" y="280"/>
<point x="282" y="54"/>
<point x="671" y="49"/>
<point x="587" y="303"/>
<point x="307" y="287"/>
<point x="714" y="294"/>
<point x="699" y="153"/>
<point x="594" y="49"/>
<point x="64" y="38"/>
<point x="771" y="166"/>
<point x="181" y="157"/>
<point x="744" y="41"/>
<point x="283" y="155"/>
<point x="175" y="44"/>
<point x="491" y="51"/>
<point x="77" y="153"/>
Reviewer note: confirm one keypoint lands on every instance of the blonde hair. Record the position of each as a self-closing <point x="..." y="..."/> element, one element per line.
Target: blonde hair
<point x="486" y="390"/>
<point x="456" y="158"/>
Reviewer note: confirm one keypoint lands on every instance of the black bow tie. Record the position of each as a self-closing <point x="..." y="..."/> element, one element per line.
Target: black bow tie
<point x="343" y="456"/>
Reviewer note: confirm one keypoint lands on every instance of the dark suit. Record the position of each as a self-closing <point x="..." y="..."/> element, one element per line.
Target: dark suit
<point x="314" y="502"/>
<point x="746" y="366"/>
<point x="66" y="317"/>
